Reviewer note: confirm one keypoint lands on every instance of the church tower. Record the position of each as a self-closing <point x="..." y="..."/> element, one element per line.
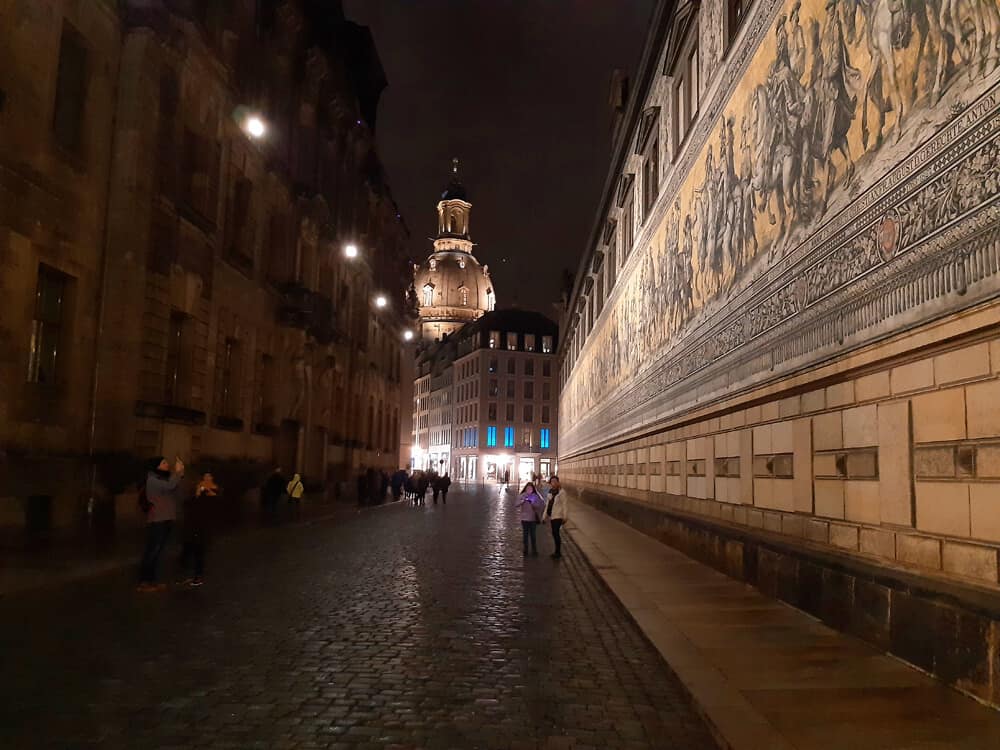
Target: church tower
<point x="452" y="287"/>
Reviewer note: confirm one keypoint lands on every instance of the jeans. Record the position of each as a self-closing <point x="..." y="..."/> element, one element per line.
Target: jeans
<point x="444" y="496"/>
<point x="528" y="533"/>
<point x="157" y="534"/>
<point x="195" y="548"/>
<point x="556" y="529"/>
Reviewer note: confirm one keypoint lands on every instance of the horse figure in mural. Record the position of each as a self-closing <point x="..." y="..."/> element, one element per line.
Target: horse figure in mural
<point x="775" y="169"/>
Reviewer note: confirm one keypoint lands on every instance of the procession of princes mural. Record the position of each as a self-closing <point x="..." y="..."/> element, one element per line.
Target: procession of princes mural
<point x="836" y="93"/>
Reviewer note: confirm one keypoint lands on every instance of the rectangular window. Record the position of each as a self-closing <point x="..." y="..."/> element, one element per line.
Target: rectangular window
<point x="545" y="415"/>
<point x="175" y="391"/>
<point x="511" y="366"/>
<point x="509" y="412"/>
<point x="737" y="13"/>
<point x="529" y="389"/>
<point x="686" y="94"/>
<point x="526" y="435"/>
<point x="508" y="437"/>
<point x="546" y="344"/>
<point x="651" y="176"/>
<point x="493" y="364"/>
<point x="512" y="341"/>
<point x="230" y="379"/>
<point x="71" y="91"/>
<point x="529" y="342"/>
<point x="628" y="228"/>
<point x="546" y="391"/>
<point x="510" y="389"/>
<point x="494" y="339"/>
<point x="239" y="224"/>
<point x="264" y="412"/>
<point x="491" y="437"/>
<point x="546" y="369"/>
<point x="544" y="437"/>
<point x="611" y="264"/>
<point x="529" y="413"/>
<point x="492" y="413"/>
<point x="529" y="367"/>
<point x="46" y="327"/>
<point x="494" y="388"/>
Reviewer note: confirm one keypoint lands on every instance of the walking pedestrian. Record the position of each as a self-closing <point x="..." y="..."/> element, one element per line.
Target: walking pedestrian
<point x="161" y="498"/>
<point x="530" y="512"/>
<point x="271" y="493"/>
<point x="556" y="513"/>
<point x="295" y="489"/>
<point x="422" y="484"/>
<point x="443" y="484"/>
<point x="398" y="482"/>
<point x="199" y="510"/>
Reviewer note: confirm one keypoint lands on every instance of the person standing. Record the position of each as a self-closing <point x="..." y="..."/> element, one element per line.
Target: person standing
<point x="295" y="489"/>
<point x="530" y="513"/>
<point x="271" y="492"/>
<point x="444" y="483"/>
<point x="161" y="497"/>
<point x="556" y="513"/>
<point x="199" y="509"/>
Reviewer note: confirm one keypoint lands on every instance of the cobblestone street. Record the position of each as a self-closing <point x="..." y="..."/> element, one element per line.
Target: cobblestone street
<point x="403" y="627"/>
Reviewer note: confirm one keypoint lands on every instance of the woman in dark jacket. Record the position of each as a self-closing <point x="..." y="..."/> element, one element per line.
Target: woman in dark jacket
<point x="199" y="512"/>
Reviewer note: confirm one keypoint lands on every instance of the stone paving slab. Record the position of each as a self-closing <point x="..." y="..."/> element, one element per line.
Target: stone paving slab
<point x="765" y="675"/>
<point x="420" y="628"/>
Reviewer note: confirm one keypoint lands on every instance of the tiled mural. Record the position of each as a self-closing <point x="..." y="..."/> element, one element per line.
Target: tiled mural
<point x="843" y="172"/>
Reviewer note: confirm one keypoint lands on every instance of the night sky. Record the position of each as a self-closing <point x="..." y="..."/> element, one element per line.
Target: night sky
<point x="518" y="91"/>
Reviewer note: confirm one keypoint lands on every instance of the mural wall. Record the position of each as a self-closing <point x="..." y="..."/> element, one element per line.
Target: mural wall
<point x="838" y="137"/>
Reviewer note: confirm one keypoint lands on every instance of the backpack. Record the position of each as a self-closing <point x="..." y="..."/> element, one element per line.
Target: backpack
<point x="144" y="504"/>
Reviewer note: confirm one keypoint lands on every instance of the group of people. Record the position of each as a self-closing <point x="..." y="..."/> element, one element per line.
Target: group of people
<point x="413" y="487"/>
<point x="160" y="494"/>
<point x="534" y="508"/>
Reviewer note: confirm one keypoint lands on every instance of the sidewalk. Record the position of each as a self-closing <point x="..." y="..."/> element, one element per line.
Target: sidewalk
<point x="24" y="571"/>
<point x="767" y="676"/>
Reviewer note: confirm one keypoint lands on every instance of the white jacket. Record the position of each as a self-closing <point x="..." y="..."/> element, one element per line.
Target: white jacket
<point x="560" y="507"/>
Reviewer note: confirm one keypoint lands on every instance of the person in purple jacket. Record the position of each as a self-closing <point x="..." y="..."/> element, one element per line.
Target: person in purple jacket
<point x="529" y="510"/>
<point x="161" y="494"/>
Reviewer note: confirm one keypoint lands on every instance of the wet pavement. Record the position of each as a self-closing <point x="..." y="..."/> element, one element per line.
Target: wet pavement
<point x="401" y="628"/>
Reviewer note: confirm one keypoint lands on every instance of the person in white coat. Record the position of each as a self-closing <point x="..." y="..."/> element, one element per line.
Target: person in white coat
<point x="556" y="513"/>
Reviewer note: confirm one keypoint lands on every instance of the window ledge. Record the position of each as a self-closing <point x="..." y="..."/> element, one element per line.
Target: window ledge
<point x="169" y="413"/>
<point x="231" y="424"/>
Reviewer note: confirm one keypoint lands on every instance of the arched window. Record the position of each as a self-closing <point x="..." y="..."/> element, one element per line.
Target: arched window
<point x="491" y="300"/>
<point x="428" y="295"/>
<point x="464" y="291"/>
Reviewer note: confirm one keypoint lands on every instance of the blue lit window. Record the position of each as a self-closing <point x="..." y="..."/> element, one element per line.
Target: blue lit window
<point x="491" y="437"/>
<point x="544" y="443"/>
<point x="508" y="437"/>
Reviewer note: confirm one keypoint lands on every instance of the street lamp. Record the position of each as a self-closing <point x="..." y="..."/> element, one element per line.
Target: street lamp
<point x="381" y="301"/>
<point x="351" y="250"/>
<point x="408" y="335"/>
<point x="255" y="127"/>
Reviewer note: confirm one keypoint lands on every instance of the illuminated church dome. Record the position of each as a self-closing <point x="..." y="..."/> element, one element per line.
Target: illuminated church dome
<point x="452" y="287"/>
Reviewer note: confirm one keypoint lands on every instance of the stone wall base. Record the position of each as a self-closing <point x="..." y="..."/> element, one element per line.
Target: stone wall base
<point x="948" y="629"/>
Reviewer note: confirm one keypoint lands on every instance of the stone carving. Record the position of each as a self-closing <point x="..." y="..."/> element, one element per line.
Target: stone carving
<point x="814" y="168"/>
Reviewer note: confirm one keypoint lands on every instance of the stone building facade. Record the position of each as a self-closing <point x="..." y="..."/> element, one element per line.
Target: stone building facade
<point x="782" y="349"/>
<point x="175" y="280"/>
<point x="486" y="402"/>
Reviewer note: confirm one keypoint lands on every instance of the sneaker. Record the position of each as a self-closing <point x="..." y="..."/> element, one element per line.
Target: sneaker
<point x="195" y="582"/>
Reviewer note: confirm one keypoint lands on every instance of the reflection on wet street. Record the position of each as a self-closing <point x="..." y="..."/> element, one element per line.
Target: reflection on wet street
<point x="403" y="627"/>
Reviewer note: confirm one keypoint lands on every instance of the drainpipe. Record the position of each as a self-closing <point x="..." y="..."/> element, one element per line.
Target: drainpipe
<point x="103" y="285"/>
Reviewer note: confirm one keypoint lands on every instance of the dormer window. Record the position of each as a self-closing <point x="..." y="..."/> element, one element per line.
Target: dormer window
<point x="428" y="295"/>
<point x="491" y="300"/>
<point x="461" y="263"/>
<point x="464" y="292"/>
<point x="434" y="264"/>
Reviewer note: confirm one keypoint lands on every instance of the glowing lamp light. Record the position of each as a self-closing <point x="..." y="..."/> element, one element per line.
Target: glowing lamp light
<point x="408" y="335"/>
<point x="381" y="301"/>
<point x="351" y="251"/>
<point x="255" y="127"/>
